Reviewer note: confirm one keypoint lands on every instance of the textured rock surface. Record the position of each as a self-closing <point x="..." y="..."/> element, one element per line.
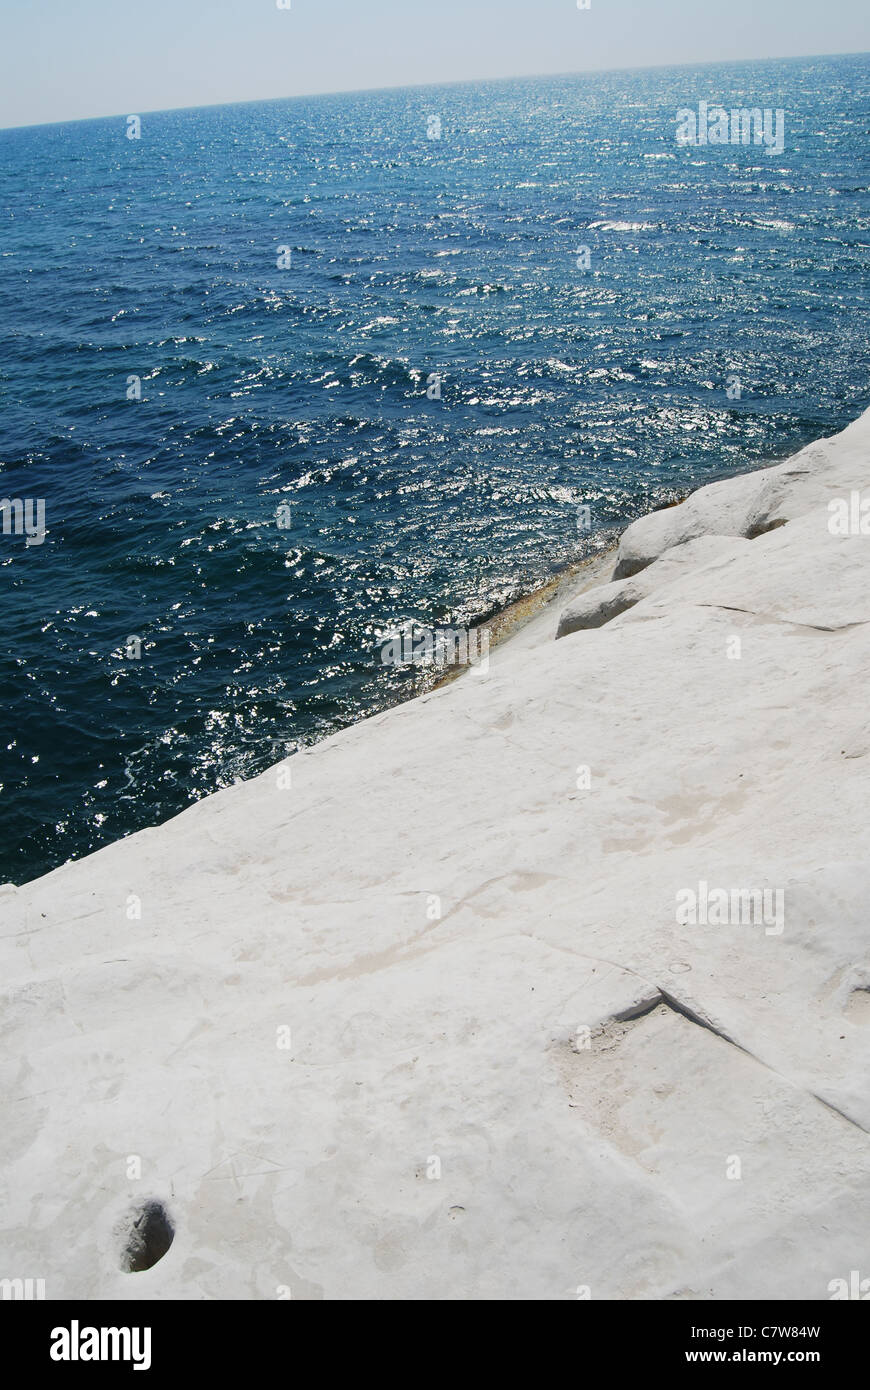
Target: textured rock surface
<point x="753" y="503"/>
<point x="510" y="1070"/>
<point x="595" y="607"/>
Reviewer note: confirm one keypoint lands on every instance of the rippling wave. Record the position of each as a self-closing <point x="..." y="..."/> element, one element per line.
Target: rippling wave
<point x="411" y="260"/>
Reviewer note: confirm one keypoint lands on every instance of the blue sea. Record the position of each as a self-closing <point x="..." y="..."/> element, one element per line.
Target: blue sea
<point x="431" y="385"/>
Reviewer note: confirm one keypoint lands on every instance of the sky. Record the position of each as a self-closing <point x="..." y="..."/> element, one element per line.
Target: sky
<point x="64" y="60"/>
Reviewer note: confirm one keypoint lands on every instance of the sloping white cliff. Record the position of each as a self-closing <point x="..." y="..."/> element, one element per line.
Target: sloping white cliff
<point x="420" y="1021"/>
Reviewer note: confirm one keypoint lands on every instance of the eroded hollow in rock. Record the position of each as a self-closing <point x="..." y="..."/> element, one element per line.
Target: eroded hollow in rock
<point x="148" y="1235"/>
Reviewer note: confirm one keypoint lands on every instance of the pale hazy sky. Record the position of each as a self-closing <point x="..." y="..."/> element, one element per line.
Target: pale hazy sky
<point x="68" y="59"/>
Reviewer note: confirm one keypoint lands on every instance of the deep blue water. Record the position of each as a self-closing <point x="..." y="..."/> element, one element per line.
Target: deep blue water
<point x="410" y="256"/>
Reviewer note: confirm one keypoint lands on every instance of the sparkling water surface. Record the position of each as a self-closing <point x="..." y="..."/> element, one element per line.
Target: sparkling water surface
<point x="411" y="259"/>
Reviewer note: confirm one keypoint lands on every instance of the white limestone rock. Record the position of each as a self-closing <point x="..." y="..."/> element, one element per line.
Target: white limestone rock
<point x="342" y="1047"/>
<point x="753" y="503"/>
<point x="595" y="607"/>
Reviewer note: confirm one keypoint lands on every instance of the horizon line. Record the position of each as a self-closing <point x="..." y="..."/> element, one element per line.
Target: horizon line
<point x="422" y="86"/>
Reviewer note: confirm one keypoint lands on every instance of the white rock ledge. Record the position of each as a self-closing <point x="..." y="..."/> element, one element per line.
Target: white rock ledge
<point x="512" y="1073"/>
<point x="753" y="503"/>
<point x="595" y="607"/>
